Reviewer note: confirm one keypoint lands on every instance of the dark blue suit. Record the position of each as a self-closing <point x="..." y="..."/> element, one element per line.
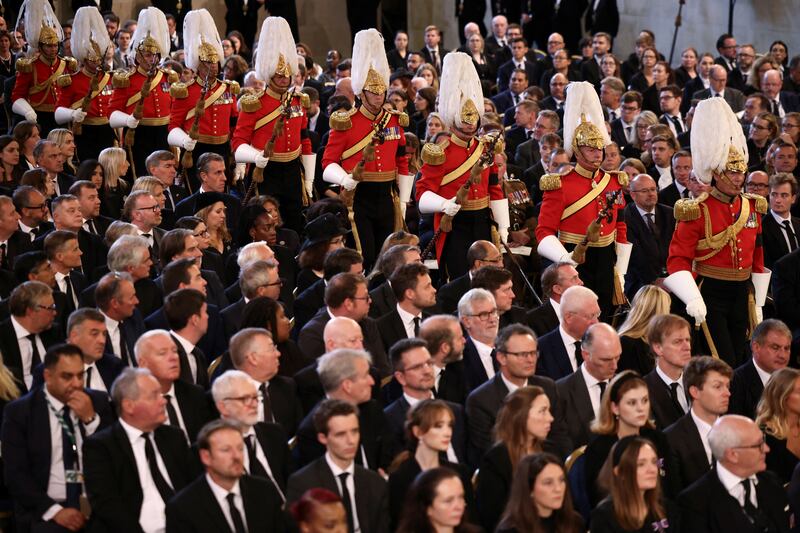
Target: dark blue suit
<point x="473" y="368"/>
<point x="554" y="361"/>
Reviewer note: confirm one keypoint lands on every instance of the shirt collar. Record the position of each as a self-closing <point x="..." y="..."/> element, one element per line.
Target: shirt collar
<point x="19" y="329"/>
<point x="482" y="348"/>
<point x="413" y="401"/>
<point x="219" y="493"/>
<point x="24" y="227"/>
<point x="187" y="346"/>
<point x="405" y="316"/>
<point x="778" y="218"/>
<point x="643" y="212"/>
<point x="566" y="337"/>
<point x="762" y="374"/>
<point x="55" y="402"/>
<point x="351" y="469"/>
<point x="703" y="427"/>
<point x="132" y="432"/>
<point x="110" y="322"/>
<point x="590" y="380"/>
<point x="729" y="479"/>
<point x="666" y="379"/>
<point x="509" y="385"/>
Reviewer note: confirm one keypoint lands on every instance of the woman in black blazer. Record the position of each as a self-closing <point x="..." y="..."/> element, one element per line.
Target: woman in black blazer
<point x="636" y="502"/>
<point x="521" y="429"/>
<point x="648" y="302"/>
<point x="398" y="56"/>
<point x="429" y="428"/>
<point x="778" y="416"/>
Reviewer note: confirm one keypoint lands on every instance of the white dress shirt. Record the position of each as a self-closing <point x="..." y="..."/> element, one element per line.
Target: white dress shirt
<point x="27" y="230"/>
<point x="408" y="320"/>
<point x="62" y="286"/>
<point x="261" y="457"/>
<point x="762" y="374"/>
<point x="26" y="350"/>
<point x="569" y="346"/>
<point x="95" y="379"/>
<point x="593" y="387"/>
<point x="151" y="514"/>
<point x="173" y="401"/>
<point x="351" y="486"/>
<point x="664" y="178"/>
<point x="221" y="495"/>
<point x="703" y="428"/>
<point x="187" y="348"/>
<point x="733" y="484"/>
<point x="557" y="308"/>
<point x="681" y="393"/>
<point x="780" y="220"/>
<point x="485" y="355"/>
<point x="112" y="326"/>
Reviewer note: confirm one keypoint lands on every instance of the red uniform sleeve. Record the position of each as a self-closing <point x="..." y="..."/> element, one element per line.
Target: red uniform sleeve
<point x="550" y="213"/>
<point x="22" y="85"/>
<point x="683" y="245"/>
<point x="243" y="134"/>
<point x="67" y="95"/>
<point x="401" y="158"/>
<point x="118" y="100"/>
<point x="333" y="150"/>
<point x="178" y="111"/>
<point x="430" y="180"/>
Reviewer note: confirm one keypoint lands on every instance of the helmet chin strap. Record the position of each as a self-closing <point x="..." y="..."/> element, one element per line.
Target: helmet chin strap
<point x="722" y="176"/>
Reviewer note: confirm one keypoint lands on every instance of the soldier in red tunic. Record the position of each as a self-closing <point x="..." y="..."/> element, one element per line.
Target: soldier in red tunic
<point x="272" y="129"/>
<point x="377" y="130"/>
<point x="450" y="167"/>
<point x="35" y="90"/>
<point x="213" y="125"/>
<point x="139" y="107"/>
<point x="582" y="210"/>
<point x="717" y="239"/>
<point x="85" y="96"/>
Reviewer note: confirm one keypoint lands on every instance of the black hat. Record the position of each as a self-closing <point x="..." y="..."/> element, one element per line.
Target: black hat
<point x="206" y="199"/>
<point x="321" y="229"/>
<point x="247" y="218"/>
<point x="400" y="73"/>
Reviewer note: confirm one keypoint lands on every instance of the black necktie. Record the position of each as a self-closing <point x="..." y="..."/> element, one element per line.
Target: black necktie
<point x="677" y="122"/>
<point x="416" y="326"/>
<point x="256" y="468"/>
<point x="89" y="377"/>
<point x="612" y="116"/>
<point x="126" y="357"/>
<point x="236" y="516"/>
<point x="602" y="385"/>
<point x="169" y="198"/>
<point x="749" y="509"/>
<point x="529" y="134"/>
<point x="578" y="354"/>
<point x="70" y="457"/>
<point x="651" y="224"/>
<point x="3" y="258"/>
<point x="36" y="357"/>
<point x="202" y="372"/>
<point x="92" y="227"/>
<point x="161" y="484"/>
<point x="787" y="227"/>
<point x="267" y="404"/>
<point x="673" y="392"/>
<point x="34" y="233"/>
<point x="172" y="414"/>
<point x="435" y="59"/>
<point x="628" y="131"/>
<point x="348" y="505"/>
<point x="685" y="193"/>
<point x="775" y="107"/>
<point x="70" y="295"/>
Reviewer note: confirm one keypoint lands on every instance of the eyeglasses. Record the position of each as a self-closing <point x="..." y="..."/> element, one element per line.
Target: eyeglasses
<point x="760" y="446"/>
<point x="649" y="190"/>
<point x="249" y="399"/>
<point x="758" y="185"/>
<point x="424" y="364"/>
<point x="486" y="315"/>
<point x="40" y="207"/>
<point x="366" y="298"/>
<point x="52" y="308"/>
<point x="154" y="208"/>
<point x="786" y="126"/>
<point x="498" y="259"/>
<point x="533" y="354"/>
<point x="758" y="127"/>
<point x="337" y="240"/>
<point x="278" y="283"/>
<point x="630" y="108"/>
<point x="203" y="233"/>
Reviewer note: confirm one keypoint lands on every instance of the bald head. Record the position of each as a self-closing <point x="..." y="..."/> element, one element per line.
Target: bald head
<point x="470" y="28"/>
<point x="771" y="84"/>
<point x="342" y="332"/>
<point x="601" y="351"/>
<point x="734" y="441"/>
<point x="644" y="192"/>
<point x="344" y="87"/>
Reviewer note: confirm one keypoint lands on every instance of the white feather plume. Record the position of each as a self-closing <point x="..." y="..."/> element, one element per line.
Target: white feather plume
<point x="582" y="99"/>
<point x="153" y="21"/>
<point x="275" y="39"/>
<point x="34" y="13"/>
<point x="459" y="83"/>
<point x="87" y="26"/>
<point x="368" y="51"/>
<point x="199" y="27"/>
<point x="715" y="129"/>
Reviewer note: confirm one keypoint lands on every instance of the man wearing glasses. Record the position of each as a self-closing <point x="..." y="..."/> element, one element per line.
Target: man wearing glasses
<point x="32" y="209"/>
<point x="720" y="85"/>
<point x="477" y="312"/>
<point x="735" y="495"/>
<point x="144" y="212"/>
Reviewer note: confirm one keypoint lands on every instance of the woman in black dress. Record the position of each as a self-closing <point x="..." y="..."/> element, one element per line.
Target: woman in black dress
<point x="540" y="501"/>
<point x="778" y="415"/>
<point x="436" y="504"/>
<point x="323" y="235"/>
<point x="648" y="302"/>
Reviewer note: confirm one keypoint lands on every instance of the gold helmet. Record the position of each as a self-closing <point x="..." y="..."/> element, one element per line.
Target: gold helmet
<point x="736" y="161"/>
<point x="584" y="124"/>
<point x="587" y="134"/>
<point x="201" y="40"/>
<point x="718" y="142"/>
<point x="48" y="35"/>
<point x="282" y="68"/>
<point x="152" y="33"/>
<point x="460" y="92"/>
<point x="370" y="70"/>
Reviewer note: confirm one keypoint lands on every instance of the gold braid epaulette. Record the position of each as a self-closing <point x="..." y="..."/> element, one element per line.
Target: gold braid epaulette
<point x="402" y="116"/>
<point x="121" y="79"/>
<point x="433" y="154"/>
<point x="72" y="63"/>
<point x="762" y="206"/>
<point x="305" y="101"/>
<point x="688" y="209"/>
<point x="172" y="76"/>
<point x="340" y="120"/>
<point x="621" y="175"/>
<point x="234" y="87"/>
<point x="65" y="80"/>
<point x="24" y="64"/>
<point x="251" y="102"/>
<point x="550" y="182"/>
<point x="179" y="91"/>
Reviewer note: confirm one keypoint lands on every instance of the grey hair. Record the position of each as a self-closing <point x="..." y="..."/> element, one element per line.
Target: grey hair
<point x="144" y="341"/>
<point x="251" y="252"/>
<point x="126" y="386"/>
<point x="242" y="343"/>
<point x="127" y="251"/>
<point x="591" y="334"/>
<point x="255" y="275"/>
<point x="724" y="436"/>
<point x="575" y="298"/>
<point x="470" y="298"/>
<point x="336" y="366"/>
<point x="226" y="384"/>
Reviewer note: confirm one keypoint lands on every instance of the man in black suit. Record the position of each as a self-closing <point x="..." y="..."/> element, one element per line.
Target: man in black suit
<point x="707" y="380"/>
<point x="590" y="69"/>
<point x="116" y="299"/>
<point x="258" y="278"/>
<point x="86" y="329"/>
<point x="64" y="254"/>
<point x="556" y="278"/>
<point x="93" y="222"/>
<point x="650" y="227"/>
<point x="211" y="171"/>
<point x="346" y="295"/>
<point x="446" y="342"/>
<point x="127" y="485"/>
<point x="37" y="435"/>
<point x="188" y="407"/>
<point x="28" y="332"/>
<point x="143" y="211"/>
<point x="496" y="46"/>
<point x="499" y="281"/>
<point x="524" y="128"/>
<point x="477" y="312"/>
<point x="413" y="369"/>
<point x="779" y="228"/>
<point x="382" y="296"/>
<point x="681" y="170"/>
<point x="414" y="291"/>
<point x="433" y="53"/>
<point x="560" y="349"/>
<point x="187" y="314"/>
<point x="737" y="494"/>
<point x="513" y="95"/>
<point x="786" y="291"/>
<point x="603" y="16"/>
<point x="132" y="255"/>
<point x="670" y="339"/>
<point x="622" y="129"/>
<point x="226" y="498"/>
<point x="31" y="206"/>
<point x="558" y="94"/>
<point x="163" y="166"/>
<point x="662" y="148"/>
<point x="267" y="451"/>
<point x="516" y="355"/>
<point x="718" y="86"/>
<point x="518" y="61"/>
<point x="345" y="375"/>
<point x="669" y="102"/>
<point x="13" y="241"/>
<point x="47" y="156"/>
<point x="770" y="345"/>
<point x="581" y="392"/>
<point x="781" y="102"/>
<point x="726" y="46"/>
<point x="318" y="120"/>
<point x="363" y="492"/>
<point x="480" y="253"/>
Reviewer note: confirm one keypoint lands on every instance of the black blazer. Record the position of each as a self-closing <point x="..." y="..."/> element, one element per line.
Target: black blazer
<point x="274" y="443"/>
<point x="734" y="97"/>
<point x="195" y="407"/>
<point x="396" y="418"/>
<point x="232" y="317"/>
<point x="112" y="481"/>
<point x="503" y="101"/>
<point x="134" y="328"/>
<point x="186" y="369"/>
<point x="428" y="59"/>
<point x="786" y="290"/>
<point x="12" y="356"/>
<point x="383" y="300"/>
<point x="449" y="294"/>
<point x="485" y="402"/>
<point x="554" y="362"/>
<point x="18" y="243"/>
<point x="26" y="449"/>
<point x="515" y="136"/>
<point x="308" y="303"/>
<point x="636" y="356"/>
<point x="212" y="344"/>
<point x="473" y="368"/>
<point x="372" y="505"/>
<point x="505" y="70"/>
<point x="575" y="399"/>
<point x="147" y="291"/>
<point x="772" y="235"/>
<point x="708" y="507"/>
<point x="746" y="390"/>
<point x="618" y="133"/>
<point x="688" y="455"/>
<point x="605" y="521"/>
<point x="590" y="71"/>
<point x="195" y="508"/>
<point x="542" y="319"/>
<point x="453" y="383"/>
<point x="186" y="207"/>
<point x="662" y="407"/>
<point x="392" y="329"/>
<point x="668" y="195"/>
<point x="285" y="405"/>
<point x="649" y="255"/>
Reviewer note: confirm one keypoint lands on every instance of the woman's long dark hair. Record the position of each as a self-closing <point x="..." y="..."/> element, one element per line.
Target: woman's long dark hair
<point x="261" y="312"/>
<point x="420" y="497"/>
<point x="521" y="513"/>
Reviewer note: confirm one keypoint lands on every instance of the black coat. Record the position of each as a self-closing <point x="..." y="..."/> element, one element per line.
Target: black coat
<point x="506" y="69"/>
<point x="746" y="390"/>
<point x="449" y="294"/>
<point x="473" y="368"/>
<point x="554" y="361"/>
<point x="212" y="344"/>
<point x="786" y="290"/>
<point x="12" y="357"/>
<point x="662" y="407"/>
<point x="195" y="407"/>
<point x="396" y="418"/>
<point x="308" y="303"/>
<point x="383" y="300"/>
<point x="273" y="442"/>
<point x="575" y="400"/>
<point x="543" y="318"/>
<point x="453" y="383"/>
<point x="604" y="520"/>
<point x="391" y="328"/>
<point x="649" y="255"/>
<point x="636" y="356"/>
<point x="688" y="454"/>
<point x="774" y="240"/>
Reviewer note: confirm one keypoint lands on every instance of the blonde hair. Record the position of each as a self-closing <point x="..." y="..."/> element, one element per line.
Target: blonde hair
<point x="430" y="68"/>
<point x="222" y="232"/>
<point x="148" y="184"/>
<point x="111" y="159"/>
<point x="771" y="412"/>
<point x="59" y="136"/>
<point x="648" y="302"/>
<point x="9" y="386"/>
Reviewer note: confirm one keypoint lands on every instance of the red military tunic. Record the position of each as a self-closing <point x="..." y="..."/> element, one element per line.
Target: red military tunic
<point x="220" y="106"/>
<point x="127" y="87"/>
<point x="258" y="117"/>
<point x="344" y="146"/>
<point x="572" y="187"/>
<point x="36" y="82"/>
<point x="728" y="254"/>
<point x="457" y="153"/>
<point x="74" y="89"/>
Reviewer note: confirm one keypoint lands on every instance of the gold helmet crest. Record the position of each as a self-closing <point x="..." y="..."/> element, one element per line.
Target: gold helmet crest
<point x="48" y="35"/>
<point x="587" y="134"/>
